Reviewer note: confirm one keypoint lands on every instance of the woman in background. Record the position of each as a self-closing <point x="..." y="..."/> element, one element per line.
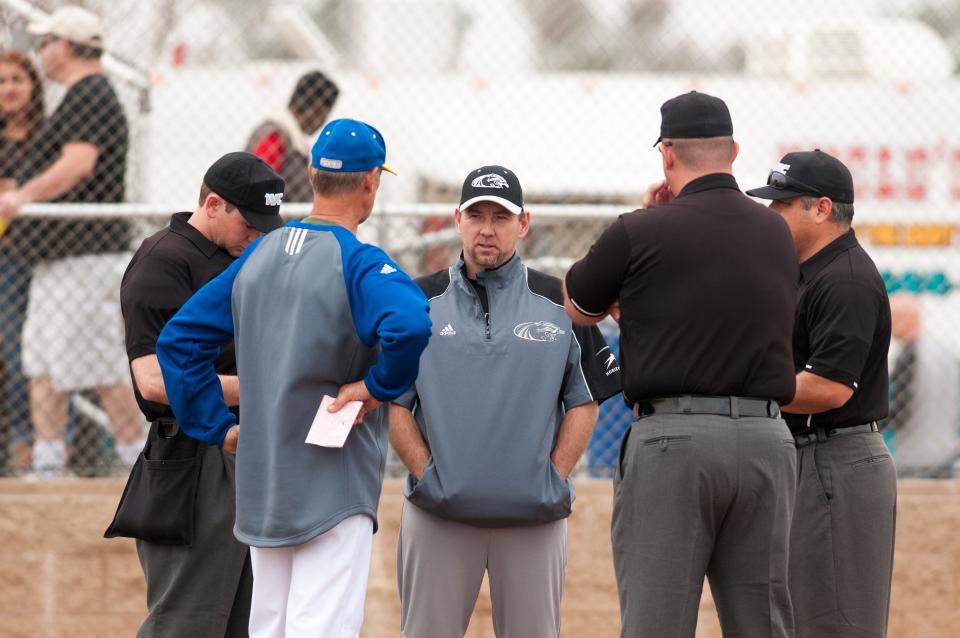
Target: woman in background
<point x="21" y="112"/>
<point x="21" y="115"/>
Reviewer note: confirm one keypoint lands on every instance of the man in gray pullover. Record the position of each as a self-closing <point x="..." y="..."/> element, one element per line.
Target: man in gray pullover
<point x="503" y="407"/>
<point x="313" y="312"/>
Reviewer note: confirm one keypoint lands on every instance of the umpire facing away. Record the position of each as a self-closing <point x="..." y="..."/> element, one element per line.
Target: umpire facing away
<point x="505" y="403"/>
<point x="199" y="586"/>
<point x="841" y="546"/>
<point x="704" y="283"/>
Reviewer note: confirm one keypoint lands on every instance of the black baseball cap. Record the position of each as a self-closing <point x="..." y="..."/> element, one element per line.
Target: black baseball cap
<point x="247" y="182"/>
<point x="694" y="115"/>
<point x="808" y="173"/>
<point x="492" y="184"/>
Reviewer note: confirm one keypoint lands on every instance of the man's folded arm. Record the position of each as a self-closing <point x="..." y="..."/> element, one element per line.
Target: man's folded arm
<point x="389" y="308"/>
<point x="187" y="350"/>
<point x="592" y="285"/>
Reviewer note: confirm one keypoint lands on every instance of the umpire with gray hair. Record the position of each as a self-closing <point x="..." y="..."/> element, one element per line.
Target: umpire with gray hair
<point x="841" y="544"/>
<point x="703" y="282"/>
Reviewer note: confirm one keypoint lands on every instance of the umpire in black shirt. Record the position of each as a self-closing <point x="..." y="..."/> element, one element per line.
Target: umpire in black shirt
<point x="199" y="580"/>
<point x="841" y="546"/>
<point x="704" y="285"/>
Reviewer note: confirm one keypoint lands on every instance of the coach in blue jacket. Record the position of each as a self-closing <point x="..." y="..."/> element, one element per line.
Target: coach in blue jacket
<point x="313" y="312"/>
<point x="504" y="406"/>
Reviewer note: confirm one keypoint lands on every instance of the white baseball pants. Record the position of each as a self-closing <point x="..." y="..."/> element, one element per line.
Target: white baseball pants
<point x="313" y="590"/>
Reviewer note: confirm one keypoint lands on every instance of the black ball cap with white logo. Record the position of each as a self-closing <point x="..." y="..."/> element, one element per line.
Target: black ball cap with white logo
<point x="492" y="184"/>
<point x="247" y="182"/>
<point x="812" y="173"/>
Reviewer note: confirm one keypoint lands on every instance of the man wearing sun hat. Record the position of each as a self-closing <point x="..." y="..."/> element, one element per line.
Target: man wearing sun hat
<point x="313" y="312"/>
<point x="841" y="543"/>
<point x="72" y="334"/>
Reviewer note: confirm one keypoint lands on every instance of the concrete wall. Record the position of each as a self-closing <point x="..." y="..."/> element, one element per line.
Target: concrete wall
<point x="60" y="578"/>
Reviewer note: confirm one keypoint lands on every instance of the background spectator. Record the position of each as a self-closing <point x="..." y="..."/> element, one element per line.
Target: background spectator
<point x="72" y="336"/>
<point x="283" y="140"/>
<point x="21" y="112"/>
<point x="924" y="419"/>
<point x="21" y="115"/>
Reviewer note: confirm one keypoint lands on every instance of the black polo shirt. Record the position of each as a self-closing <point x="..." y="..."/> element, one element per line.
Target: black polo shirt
<point x="843" y="332"/>
<point x="90" y="112"/>
<point x="707" y="290"/>
<point x="164" y="273"/>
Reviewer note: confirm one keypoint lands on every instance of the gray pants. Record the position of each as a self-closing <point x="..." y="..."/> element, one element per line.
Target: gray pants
<point x="699" y="495"/>
<point x="440" y="566"/>
<point x="201" y="591"/>
<point x="841" y="545"/>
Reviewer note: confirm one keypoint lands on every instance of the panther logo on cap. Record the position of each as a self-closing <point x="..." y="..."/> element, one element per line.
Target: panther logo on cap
<point x="490" y="180"/>
<point x="538" y="331"/>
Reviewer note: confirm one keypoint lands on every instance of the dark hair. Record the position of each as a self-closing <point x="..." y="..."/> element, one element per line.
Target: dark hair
<point x="35" y="105"/>
<point x="84" y="51"/>
<point x="206" y="191"/>
<point x="312" y="89"/>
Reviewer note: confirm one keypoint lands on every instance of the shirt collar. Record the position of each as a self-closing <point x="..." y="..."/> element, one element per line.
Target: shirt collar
<point x="709" y="182"/>
<point x="179" y="224"/>
<point x="812" y="266"/>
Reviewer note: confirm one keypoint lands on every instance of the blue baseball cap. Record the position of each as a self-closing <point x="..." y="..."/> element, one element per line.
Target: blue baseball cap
<point x="349" y="146"/>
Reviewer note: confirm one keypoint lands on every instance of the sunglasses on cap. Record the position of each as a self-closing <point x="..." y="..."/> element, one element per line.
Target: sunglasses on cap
<point x="782" y="181"/>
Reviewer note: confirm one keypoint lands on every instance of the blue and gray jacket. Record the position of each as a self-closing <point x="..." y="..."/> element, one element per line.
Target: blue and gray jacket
<point x="310" y="309"/>
<point x="493" y="387"/>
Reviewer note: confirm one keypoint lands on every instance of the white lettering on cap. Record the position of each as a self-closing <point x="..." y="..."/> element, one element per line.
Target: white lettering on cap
<point x="782" y="168"/>
<point x="327" y="162"/>
<point x="490" y="180"/>
<point x="273" y="199"/>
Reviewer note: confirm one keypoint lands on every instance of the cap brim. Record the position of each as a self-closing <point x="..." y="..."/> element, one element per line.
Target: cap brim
<point x="510" y="206"/>
<point x="388" y="169"/>
<point x="263" y="223"/>
<point x="39" y="28"/>
<point x="769" y="192"/>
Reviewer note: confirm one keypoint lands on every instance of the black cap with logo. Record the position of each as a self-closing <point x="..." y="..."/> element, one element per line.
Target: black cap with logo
<point x="247" y="182"/>
<point x="492" y="184"/>
<point x="694" y="115"/>
<point x="808" y="173"/>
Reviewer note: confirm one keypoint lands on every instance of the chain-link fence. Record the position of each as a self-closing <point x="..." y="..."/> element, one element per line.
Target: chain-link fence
<point x="565" y="92"/>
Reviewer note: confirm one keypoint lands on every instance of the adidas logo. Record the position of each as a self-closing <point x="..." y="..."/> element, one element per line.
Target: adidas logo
<point x="387" y="269"/>
<point x="447" y="331"/>
<point x="295" y="239"/>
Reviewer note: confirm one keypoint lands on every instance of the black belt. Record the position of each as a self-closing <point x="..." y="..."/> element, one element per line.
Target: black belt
<point x="805" y="437"/>
<point x="735" y="407"/>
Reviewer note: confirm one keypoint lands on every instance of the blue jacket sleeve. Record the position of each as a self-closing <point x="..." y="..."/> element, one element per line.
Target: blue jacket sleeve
<point x="387" y="307"/>
<point x="187" y="351"/>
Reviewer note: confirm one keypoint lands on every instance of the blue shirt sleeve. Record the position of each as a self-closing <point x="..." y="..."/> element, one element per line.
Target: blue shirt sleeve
<point x="187" y="351"/>
<point x="389" y="308"/>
